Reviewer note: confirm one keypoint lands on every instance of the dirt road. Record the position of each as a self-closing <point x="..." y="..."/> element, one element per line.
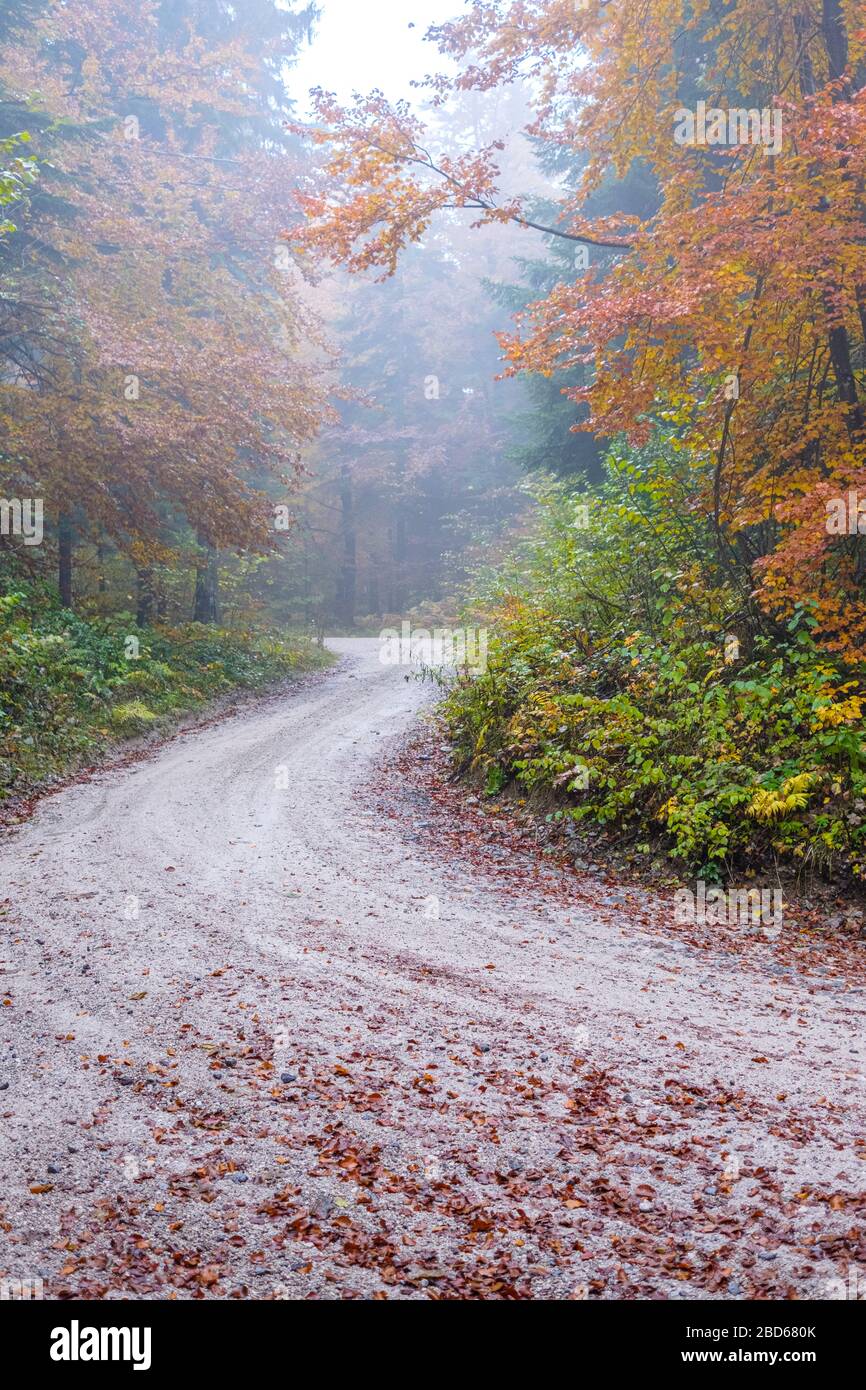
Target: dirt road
<point x="265" y="1033"/>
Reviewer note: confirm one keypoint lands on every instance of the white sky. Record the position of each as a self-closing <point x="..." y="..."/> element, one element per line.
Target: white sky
<point x="362" y="44"/>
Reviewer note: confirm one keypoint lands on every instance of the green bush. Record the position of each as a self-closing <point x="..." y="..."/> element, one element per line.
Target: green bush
<point x="68" y="687"/>
<point x="615" y="693"/>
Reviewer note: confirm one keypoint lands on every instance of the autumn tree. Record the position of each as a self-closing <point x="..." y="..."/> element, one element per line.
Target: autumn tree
<point x="159" y="391"/>
<point x="739" y="300"/>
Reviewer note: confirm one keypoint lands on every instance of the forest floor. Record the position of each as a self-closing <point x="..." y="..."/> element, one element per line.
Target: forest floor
<point x="285" y="1014"/>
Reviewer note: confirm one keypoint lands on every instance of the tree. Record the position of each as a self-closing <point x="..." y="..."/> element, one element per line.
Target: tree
<point x="169" y="365"/>
<point x="739" y="300"/>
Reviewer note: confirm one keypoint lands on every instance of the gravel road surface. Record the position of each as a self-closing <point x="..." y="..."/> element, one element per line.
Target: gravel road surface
<point x="264" y="1034"/>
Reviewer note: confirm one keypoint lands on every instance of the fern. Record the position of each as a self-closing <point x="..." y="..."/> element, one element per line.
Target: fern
<point x="793" y="795"/>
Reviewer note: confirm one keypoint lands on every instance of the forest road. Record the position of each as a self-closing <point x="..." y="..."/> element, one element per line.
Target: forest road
<point x="261" y="1037"/>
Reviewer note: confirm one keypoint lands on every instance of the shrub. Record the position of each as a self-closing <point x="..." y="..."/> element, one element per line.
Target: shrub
<point x="617" y="690"/>
<point x="67" y="686"/>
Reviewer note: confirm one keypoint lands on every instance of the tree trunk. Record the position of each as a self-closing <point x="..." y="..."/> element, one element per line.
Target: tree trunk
<point x="835" y="38"/>
<point x="373" y="600"/>
<point x="398" y="585"/>
<point x="347" y="583"/>
<point x="64" y="559"/>
<point x="846" y="382"/>
<point x="207" y="604"/>
<point x="144" y="613"/>
<point x="102" y="584"/>
<point x="802" y="28"/>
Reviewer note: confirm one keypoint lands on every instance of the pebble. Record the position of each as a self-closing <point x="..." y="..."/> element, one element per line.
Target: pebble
<point x="287" y="1077"/>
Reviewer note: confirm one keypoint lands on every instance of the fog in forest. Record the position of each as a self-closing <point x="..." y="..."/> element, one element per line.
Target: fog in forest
<point x="343" y="450"/>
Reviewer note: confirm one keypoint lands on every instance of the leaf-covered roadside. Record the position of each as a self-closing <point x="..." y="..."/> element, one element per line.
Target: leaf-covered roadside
<point x="68" y="689"/>
<point x="632" y="682"/>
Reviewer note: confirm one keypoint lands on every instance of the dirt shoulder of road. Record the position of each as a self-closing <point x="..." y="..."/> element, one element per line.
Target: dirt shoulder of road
<point x="823" y="917"/>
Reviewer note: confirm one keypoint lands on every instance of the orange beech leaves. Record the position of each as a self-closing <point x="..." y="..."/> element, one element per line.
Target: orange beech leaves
<point x="170" y="363"/>
<point x="739" y="302"/>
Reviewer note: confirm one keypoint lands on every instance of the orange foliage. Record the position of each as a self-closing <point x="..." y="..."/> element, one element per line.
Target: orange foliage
<point x="741" y="299"/>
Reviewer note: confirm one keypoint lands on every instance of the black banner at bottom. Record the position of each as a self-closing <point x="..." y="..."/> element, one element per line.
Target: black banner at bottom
<point x="148" y="1338"/>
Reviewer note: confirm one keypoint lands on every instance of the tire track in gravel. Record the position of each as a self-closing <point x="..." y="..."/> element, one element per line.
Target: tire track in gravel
<point x="273" y="1033"/>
